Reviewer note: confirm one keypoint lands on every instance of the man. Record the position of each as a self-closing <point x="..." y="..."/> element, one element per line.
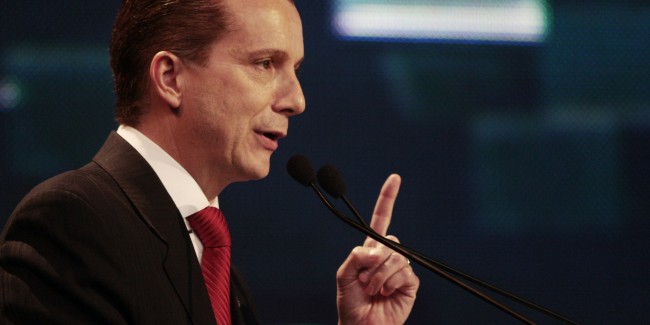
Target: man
<point x="205" y="90"/>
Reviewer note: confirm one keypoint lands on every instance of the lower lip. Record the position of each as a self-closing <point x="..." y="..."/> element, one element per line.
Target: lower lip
<point x="267" y="143"/>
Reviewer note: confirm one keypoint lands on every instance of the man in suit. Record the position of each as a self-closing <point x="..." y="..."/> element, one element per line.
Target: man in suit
<point x="205" y="90"/>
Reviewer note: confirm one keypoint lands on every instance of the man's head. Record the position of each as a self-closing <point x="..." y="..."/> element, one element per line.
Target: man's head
<point x="217" y="105"/>
<point x="145" y="27"/>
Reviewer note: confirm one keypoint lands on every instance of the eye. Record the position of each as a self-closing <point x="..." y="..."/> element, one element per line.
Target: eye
<point x="266" y="64"/>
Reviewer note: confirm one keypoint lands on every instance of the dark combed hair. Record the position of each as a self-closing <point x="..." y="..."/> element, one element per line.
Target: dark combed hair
<point x="142" y="28"/>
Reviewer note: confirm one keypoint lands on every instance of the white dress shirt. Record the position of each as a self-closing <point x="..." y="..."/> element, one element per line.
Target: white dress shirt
<point x="183" y="189"/>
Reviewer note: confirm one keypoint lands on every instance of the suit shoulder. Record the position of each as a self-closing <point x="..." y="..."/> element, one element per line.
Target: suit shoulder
<point x="85" y="183"/>
<point x="84" y="189"/>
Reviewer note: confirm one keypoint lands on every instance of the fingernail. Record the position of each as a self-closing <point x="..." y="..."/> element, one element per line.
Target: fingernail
<point x="364" y="276"/>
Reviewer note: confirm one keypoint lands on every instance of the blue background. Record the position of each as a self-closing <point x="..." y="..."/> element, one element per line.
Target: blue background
<point x="526" y="166"/>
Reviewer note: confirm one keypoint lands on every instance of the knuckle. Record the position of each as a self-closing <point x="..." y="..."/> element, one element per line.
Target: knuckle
<point x="394" y="258"/>
<point x="393" y="238"/>
<point x="411" y="275"/>
<point x="357" y="251"/>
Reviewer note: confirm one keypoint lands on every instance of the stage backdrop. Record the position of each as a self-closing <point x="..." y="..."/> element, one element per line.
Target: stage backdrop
<point x="524" y="152"/>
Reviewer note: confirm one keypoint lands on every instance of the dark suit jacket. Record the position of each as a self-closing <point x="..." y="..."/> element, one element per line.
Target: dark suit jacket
<point x="105" y="244"/>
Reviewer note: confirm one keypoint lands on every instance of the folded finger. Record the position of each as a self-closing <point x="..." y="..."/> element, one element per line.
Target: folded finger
<point x="360" y="259"/>
<point x="404" y="281"/>
<point x="378" y="277"/>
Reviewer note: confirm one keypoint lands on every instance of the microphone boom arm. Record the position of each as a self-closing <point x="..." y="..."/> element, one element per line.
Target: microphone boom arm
<point x="466" y="276"/>
<point x="418" y="259"/>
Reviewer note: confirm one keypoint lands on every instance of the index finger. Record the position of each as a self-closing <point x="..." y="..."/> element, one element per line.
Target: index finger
<point x="383" y="212"/>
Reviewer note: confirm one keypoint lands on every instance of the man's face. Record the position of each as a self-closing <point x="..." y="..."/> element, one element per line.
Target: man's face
<point x="238" y="105"/>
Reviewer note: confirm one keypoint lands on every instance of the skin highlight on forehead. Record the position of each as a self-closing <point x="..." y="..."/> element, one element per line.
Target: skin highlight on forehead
<point x="265" y="32"/>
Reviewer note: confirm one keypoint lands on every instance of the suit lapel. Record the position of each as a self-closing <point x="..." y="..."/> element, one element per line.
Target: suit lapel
<point x="156" y="208"/>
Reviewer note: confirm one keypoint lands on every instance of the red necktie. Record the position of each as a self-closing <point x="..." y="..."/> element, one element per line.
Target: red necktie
<point x="210" y="226"/>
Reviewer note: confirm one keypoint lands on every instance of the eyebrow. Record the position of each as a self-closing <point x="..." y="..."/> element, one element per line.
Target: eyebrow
<point x="273" y="53"/>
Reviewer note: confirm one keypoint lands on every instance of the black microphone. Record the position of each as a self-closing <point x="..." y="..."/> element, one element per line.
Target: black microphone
<point x="299" y="167"/>
<point x="332" y="182"/>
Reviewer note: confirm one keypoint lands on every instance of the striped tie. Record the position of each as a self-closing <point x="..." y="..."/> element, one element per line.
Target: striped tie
<point x="210" y="226"/>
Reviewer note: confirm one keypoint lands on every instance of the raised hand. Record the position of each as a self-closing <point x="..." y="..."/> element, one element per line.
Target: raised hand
<point x="376" y="285"/>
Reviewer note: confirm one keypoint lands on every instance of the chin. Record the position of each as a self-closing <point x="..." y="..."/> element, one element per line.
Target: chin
<point x="260" y="175"/>
<point x="252" y="167"/>
<point x="258" y="172"/>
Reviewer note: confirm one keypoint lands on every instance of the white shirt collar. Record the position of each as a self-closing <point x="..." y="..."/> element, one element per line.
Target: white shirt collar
<point x="183" y="189"/>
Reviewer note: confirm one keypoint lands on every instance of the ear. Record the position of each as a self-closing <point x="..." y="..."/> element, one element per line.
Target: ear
<point x="164" y="74"/>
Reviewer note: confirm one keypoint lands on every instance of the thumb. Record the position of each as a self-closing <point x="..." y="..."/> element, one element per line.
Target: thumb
<point x="360" y="258"/>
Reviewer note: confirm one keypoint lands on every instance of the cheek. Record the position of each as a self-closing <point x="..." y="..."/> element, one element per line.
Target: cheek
<point x="234" y="109"/>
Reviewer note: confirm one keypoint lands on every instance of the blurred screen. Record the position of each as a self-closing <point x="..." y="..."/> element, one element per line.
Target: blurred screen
<point x="520" y="21"/>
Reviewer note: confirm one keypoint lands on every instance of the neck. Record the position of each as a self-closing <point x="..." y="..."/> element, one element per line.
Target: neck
<point x="161" y="132"/>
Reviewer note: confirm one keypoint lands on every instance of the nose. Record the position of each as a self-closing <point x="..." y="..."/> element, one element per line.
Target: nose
<point x="290" y="100"/>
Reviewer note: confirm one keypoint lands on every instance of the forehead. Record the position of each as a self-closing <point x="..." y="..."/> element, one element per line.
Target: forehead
<point x="259" y="20"/>
<point x="272" y="15"/>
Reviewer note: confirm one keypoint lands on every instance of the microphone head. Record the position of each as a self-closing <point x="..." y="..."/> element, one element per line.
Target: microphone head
<point x="331" y="180"/>
<point x="299" y="167"/>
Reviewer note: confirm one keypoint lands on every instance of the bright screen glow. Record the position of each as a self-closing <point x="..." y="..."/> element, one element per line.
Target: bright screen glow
<point x="516" y="21"/>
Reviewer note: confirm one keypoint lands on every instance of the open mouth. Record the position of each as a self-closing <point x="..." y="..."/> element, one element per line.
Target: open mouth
<point x="271" y="136"/>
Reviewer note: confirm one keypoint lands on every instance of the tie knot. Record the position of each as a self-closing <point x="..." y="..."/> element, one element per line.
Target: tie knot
<point x="210" y="226"/>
